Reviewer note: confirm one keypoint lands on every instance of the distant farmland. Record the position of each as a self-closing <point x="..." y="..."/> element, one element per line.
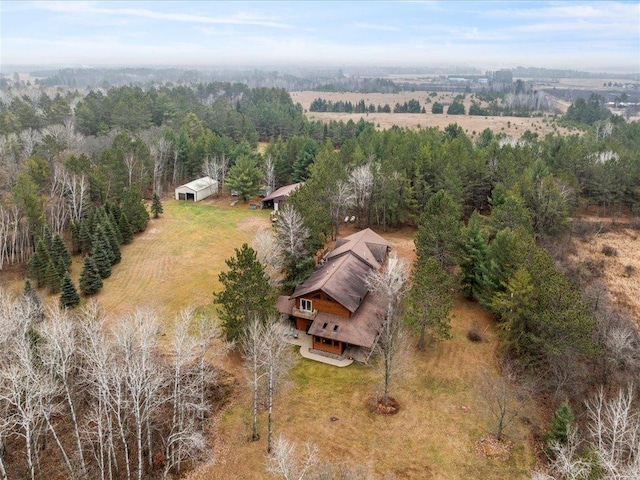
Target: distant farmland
<point x="512" y="126"/>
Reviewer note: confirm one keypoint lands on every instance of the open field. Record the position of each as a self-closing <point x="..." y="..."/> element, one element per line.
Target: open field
<point x="619" y="267"/>
<point x="175" y="262"/>
<point x="512" y="126"/>
<point x="442" y="418"/>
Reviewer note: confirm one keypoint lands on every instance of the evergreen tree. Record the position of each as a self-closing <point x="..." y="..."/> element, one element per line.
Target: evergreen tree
<point x="560" y="427"/>
<point x="37" y="264"/>
<point x="439" y="230"/>
<point x="134" y="209"/>
<point x="60" y="255"/>
<point x="30" y="295"/>
<point x="473" y="257"/>
<point x="90" y="279"/>
<point x="244" y="178"/>
<point x="74" y="227"/>
<point x="53" y="278"/>
<point x="85" y="237"/>
<point x="112" y="239"/>
<point x="101" y="253"/>
<point x="47" y="237"/>
<point x="125" y="229"/>
<point x="246" y="293"/>
<point x="156" y="206"/>
<point x="69" y="297"/>
<point x="430" y="301"/>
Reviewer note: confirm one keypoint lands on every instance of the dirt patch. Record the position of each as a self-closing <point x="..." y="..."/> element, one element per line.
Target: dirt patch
<point x="490" y="447"/>
<point x="390" y="407"/>
<point x="253" y="224"/>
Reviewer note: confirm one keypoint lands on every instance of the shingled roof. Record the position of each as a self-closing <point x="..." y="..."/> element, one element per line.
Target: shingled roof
<point x="282" y="192"/>
<point x="366" y="244"/>
<point x="344" y="275"/>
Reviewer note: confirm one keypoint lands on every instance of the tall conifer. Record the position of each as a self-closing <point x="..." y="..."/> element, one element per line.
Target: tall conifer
<point x="69" y="297"/>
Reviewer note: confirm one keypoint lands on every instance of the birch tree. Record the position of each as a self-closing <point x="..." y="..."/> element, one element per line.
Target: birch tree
<point x="292" y="233"/>
<point x="269" y="170"/>
<point x="287" y="464"/>
<point x="361" y="183"/>
<point x="60" y="357"/>
<point x="254" y="358"/>
<point x="278" y="360"/>
<point x="390" y="285"/>
<point x="614" y="426"/>
<point x="269" y="253"/>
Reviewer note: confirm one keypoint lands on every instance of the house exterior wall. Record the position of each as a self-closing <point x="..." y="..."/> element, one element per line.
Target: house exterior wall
<point x="331" y="346"/>
<point x="325" y="305"/>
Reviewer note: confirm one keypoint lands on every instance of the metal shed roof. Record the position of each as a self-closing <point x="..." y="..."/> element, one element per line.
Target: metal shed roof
<point x="199" y="184"/>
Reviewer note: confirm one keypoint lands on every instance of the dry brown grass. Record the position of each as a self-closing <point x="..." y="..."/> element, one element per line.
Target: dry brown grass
<point x="434" y="435"/>
<point x="623" y="284"/>
<point x="176" y="261"/>
<point x="512" y="126"/>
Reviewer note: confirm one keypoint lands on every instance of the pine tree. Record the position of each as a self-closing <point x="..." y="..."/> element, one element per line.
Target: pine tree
<point x="85" y="237"/>
<point x="156" y="206"/>
<point x="30" y="295"/>
<point x="134" y="209"/>
<point x="125" y="228"/>
<point x="439" y="230"/>
<point x="430" y="301"/>
<point x="101" y="253"/>
<point x="75" y="237"/>
<point x="53" y="278"/>
<point x="560" y="426"/>
<point x="47" y="237"/>
<point x="38" y="263"/>
<point x="69" y="297"/>
<point x="60" y="255"/>
<point x="246" y="293"/>
<point x="90" y="279"/>
<point x="113" y="242"/>
<point x="473" y="257"/>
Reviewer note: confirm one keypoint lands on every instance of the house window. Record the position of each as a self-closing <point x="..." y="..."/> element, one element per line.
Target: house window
<point x="306" y="305"/>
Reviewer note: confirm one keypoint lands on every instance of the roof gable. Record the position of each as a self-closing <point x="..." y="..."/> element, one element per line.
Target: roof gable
<point x="199" y="184"/>
<point x="344" y="275"/>
<point x="282" y="191"/>
<point x="366" y="244"/>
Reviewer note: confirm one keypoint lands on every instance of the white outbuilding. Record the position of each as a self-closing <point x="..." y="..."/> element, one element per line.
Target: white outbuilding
<point x="197" y="190"/>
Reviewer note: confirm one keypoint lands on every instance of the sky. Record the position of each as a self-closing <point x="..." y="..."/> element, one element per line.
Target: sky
<point x="584" y="35"/>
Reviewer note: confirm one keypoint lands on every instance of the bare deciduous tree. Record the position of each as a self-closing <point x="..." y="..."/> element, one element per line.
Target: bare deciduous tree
<point x="254" y="357"/>
<point x="390" y="284"/>
<point x="342" y="199"/>
<point x="361" y="183"/>
<point x="278" y="360"/>
<point x="269" y="252"/>
<point x="615" y="430"/>
<point x="269" y="173"/>
<point x="284" y="462"/>
<point x="499" y="395"/>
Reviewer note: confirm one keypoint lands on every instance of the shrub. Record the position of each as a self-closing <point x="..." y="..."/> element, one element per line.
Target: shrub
<point x="609" y="251"/>
<point x="474" y="334"/>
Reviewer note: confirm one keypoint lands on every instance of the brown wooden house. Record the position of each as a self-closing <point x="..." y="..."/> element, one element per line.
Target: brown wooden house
<point x="334" y="304"/>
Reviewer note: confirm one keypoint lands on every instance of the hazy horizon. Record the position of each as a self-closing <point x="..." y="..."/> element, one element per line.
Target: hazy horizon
<point x="587" y="36"/>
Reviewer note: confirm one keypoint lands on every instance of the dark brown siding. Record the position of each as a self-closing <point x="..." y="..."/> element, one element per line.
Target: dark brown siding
<point x="326" y="306"/>
<point x="331" y="346"/>
<point x="303" y="323"/>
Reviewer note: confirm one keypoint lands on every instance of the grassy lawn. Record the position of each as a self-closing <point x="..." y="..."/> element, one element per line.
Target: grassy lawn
<point x="175" y="263"/>
<point x="434" y="435"/>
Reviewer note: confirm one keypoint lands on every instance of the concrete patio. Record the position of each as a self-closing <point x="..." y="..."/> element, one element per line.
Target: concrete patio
<point x="304" y="341"/>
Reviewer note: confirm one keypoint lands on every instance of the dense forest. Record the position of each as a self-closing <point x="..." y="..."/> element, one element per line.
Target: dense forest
<point x="487" y="209"/>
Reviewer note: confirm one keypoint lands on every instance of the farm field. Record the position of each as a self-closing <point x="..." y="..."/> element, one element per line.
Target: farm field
<point x="512" y="126"/>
